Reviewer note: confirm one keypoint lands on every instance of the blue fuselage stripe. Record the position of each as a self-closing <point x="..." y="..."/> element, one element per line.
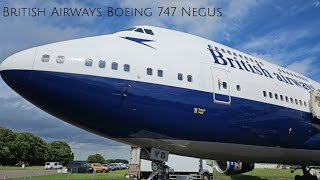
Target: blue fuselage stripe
<point x="129" y="109"/>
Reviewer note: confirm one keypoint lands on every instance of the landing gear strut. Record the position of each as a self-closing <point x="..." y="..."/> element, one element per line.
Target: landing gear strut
<point x="160" y="171"/>
<point x="306" y="174"/>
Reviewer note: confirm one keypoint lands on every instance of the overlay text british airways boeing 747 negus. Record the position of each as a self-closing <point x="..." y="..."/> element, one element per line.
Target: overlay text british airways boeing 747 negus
<point x="168" y="91"/>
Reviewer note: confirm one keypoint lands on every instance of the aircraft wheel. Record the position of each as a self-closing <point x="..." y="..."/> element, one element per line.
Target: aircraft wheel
<point x="206" y="176"/>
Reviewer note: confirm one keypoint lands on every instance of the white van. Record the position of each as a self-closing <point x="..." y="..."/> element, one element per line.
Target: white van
<point x="53" y="165"/>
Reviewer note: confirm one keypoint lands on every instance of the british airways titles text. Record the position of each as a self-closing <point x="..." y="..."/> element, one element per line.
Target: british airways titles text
<point x="257" y="69"/>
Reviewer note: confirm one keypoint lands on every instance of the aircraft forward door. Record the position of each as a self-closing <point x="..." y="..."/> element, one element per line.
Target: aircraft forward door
<point x="221" y="86"/>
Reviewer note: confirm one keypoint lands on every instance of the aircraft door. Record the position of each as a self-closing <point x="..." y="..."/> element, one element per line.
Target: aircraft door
<point x="221" y="86"/>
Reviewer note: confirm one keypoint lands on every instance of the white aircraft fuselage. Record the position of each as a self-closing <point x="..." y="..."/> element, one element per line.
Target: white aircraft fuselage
<point x="154" y="87"/>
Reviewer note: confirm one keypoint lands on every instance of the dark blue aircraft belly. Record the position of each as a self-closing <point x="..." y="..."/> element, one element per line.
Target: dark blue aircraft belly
<point x="128" y="109"/>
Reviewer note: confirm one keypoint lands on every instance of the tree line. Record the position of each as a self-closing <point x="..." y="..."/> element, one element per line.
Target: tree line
<point x="29" y="149"/>
<point x="98" y="158"/>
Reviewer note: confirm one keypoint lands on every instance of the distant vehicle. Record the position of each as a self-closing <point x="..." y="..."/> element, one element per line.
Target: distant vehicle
<point x="112" y="168"/>
<point x="118" y="166"/>
<point x="53" y="165"/>
<point x="97" y="167"/>
<point x="79" y="167"/>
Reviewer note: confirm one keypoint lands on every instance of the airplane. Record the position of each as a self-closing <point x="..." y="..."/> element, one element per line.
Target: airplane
<point x="178" y="93"/>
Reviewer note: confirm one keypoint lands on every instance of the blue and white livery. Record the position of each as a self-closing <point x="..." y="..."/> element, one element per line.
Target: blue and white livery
<point x="154" y="87"/>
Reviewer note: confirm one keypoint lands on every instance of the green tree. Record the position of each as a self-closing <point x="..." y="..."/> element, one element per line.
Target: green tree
<point x="30" y="148"/>
<point x="96" y="158"/>
<point x="118" y="161"/>
<point x="6" y="138"/>
<point x="60" y="151"/>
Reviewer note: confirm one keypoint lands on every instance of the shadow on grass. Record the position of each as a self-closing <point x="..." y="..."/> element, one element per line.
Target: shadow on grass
<point x="246" y="177"/>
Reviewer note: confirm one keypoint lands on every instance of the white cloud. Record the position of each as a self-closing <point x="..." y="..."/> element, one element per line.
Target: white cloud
<point x="302" y="67"/>
<point x="232" y="13"/>
<point x="316" y="3"/>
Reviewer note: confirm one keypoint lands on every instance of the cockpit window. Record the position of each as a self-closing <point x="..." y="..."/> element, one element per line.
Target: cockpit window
<point x="148" y="31"/>
<point x="129" y="29"/>
<point x="140" y="30"/>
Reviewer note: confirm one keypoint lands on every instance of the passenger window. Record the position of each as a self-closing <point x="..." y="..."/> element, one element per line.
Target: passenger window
<point x="223" y="50"/>
<point x="235" y="54"/>
<point x="240" y="56"/>
<point x="238" y="88"/>
<point x="114" y="66"/>
<point x="45" y="58"/>
<point x="225" y="85"/>
<point x="126" y="67"/>
<point x="217" y="49"/>
<point x="305" y="104"/>
<point x="296" y="101"/>
<point x="261" y="63"/>
<point x="281" y="97"/>
<point x="149" y="71"/>
<point x="189" y="78"/>
<point x="264" y="93"/>
<point x="180" y="76"/>
<point x="300" y="102"/>
<point x="287" y="99"/>
<point x="291" y="100"/>
<point x="148" y="31"/>
<point x="88" y="62"/>
<point x="246" y="57"/>
<point x="276" y="96"/>
<point x="60" y="59"/>
<point x="160" y="73"/>
<point x="102" y="64"/>
<point x="140" y="30"/>
<point x="270" y="95"/>
<point x="229" y="52"/>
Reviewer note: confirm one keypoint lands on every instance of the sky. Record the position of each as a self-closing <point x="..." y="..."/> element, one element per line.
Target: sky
<point x="286" y="33"/>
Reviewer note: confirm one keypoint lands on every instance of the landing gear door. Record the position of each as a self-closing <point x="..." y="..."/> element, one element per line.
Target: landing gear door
<point x="221" y="86"/>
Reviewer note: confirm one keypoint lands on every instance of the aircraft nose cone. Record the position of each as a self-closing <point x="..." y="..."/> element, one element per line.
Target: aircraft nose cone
<point x="16" y="69"/>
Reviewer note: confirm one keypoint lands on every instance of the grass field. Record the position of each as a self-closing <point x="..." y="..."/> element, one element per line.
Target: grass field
<point x="257" y="174"/>
<point x="114" y="175"/>
<point x="20" y="168"/>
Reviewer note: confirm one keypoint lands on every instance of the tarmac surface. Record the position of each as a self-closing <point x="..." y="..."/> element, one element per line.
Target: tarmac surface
<point x="10" y="174"/>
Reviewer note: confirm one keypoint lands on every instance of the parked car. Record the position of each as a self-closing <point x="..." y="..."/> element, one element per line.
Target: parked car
<point x="97" y="167"/>
<point x="53" y="165"/>
<point x="112" y="168"/>
<point x="79" y="167"/>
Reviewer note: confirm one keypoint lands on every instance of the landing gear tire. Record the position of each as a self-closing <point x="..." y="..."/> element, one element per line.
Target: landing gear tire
<point x="206" y="176"/>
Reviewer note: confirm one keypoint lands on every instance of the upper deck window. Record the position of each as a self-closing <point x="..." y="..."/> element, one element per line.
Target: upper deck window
<point x="102" y="64"/>
<point x="45" y="58"/>
<point x="88" y="62"/>
<point x="140" y="30"/>
<point x="148" y="31"/>
<point x="60" y="59"/>
<point x="114" y="66"/>
<point x="126" y="67"/>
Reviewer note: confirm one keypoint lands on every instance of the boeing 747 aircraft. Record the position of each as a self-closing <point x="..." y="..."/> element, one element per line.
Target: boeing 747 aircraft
<point x="168" y="91"/>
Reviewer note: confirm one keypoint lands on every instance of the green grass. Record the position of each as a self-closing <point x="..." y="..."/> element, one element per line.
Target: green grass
<point x="114" y="175"/>
<point x="20" y="168"/>
<point x="257" y="174"/>
<point x="260" y="174"/>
